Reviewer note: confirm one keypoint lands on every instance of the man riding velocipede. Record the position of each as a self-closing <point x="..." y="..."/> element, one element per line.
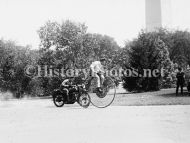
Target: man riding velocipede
<point x="97" y="70"/>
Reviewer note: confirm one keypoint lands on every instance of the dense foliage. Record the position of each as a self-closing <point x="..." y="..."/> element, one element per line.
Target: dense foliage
<point x="68" y="45"/>
<point x="157" y="50"/>
<point x="13" y="60"/>
<point x="147" y="52"/>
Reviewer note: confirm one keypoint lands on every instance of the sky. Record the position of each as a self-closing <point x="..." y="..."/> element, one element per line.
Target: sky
<point x="120" y="19"/>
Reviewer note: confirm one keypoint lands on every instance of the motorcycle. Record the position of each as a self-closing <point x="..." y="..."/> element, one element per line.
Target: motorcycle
<point x="77" y="93"/>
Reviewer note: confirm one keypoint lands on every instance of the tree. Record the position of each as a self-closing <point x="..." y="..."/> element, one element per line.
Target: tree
<point x="180" y="50"/>
<point x="13" y="61"/>
<point x="68" y="45"/>
<point x="146" y="52"/>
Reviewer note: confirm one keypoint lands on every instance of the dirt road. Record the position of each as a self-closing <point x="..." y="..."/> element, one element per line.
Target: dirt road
<point x="39" y="121"/>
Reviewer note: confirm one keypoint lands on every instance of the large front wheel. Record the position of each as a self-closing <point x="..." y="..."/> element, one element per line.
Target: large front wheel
<point x="106" y="97"/>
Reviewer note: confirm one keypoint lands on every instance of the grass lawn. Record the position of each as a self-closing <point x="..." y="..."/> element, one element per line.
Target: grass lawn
<point x="123" y="98"/>
<point x="162" y="97"/>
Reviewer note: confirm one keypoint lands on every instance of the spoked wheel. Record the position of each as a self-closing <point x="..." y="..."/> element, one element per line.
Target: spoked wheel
<point x="58" y="100"/>
<point x="84" y="100"/>
<point x="104" y="98"/>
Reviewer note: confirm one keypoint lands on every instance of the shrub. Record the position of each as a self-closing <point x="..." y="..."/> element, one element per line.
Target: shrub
<point x="147" y="52"/>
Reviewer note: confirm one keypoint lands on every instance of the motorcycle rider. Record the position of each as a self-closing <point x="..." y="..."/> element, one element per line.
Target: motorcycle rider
<point x="97" y="69"/>
<point x="68" y="87"/>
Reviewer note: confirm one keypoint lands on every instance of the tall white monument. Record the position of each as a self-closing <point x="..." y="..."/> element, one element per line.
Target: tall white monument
<point x="158" y="14"/>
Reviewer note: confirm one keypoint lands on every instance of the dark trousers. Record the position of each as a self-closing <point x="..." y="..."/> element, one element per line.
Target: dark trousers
<point x="188" y="87"/>
<point x="177" y="88"/>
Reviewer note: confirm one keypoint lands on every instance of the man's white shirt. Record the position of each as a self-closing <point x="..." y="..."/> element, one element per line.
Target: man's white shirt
<point x="97" y="67"/>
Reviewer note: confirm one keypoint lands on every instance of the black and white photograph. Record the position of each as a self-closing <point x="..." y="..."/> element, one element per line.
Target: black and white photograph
<point x="94" y="71"/>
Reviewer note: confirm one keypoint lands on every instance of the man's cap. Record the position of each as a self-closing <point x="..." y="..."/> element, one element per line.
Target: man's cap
<point x="103" y="59"/>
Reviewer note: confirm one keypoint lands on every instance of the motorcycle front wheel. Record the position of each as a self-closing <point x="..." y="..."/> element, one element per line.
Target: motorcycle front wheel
<point x="84" y="100"/>
<point x="58" y="100"/>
